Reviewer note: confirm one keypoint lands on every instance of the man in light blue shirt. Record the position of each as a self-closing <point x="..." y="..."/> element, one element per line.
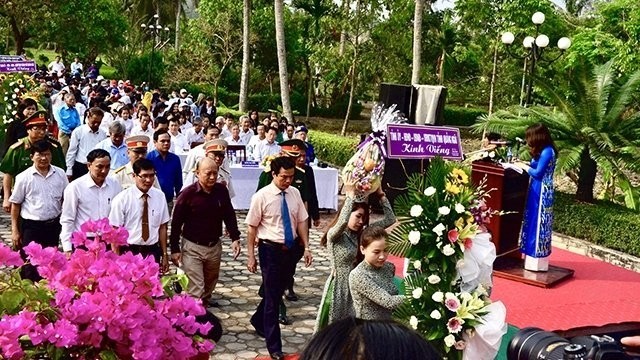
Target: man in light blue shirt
<point x="68" y="119"/>
<point x="115" y="145"/>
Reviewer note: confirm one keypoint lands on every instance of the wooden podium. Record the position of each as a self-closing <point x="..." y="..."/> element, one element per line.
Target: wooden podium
<point x="509" y="194"/>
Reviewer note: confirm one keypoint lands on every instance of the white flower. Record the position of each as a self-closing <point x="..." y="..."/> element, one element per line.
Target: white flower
<point x="417" y="293"/>
<point x="414" y="237"/>
<point x="14" y="96"/>
<point x="492" y="154"/>
<point x="439" y="229"/>
<point x="15" y="103"/>
<point x="417" y="264"/>
<point x="435" y="314"/>
<point x="413" y="321"/>
<point x="459" y="208"/>
<point x="6" y="98"/>
<point x="429" y="191"/>
<point x="16" y="90"/>
<point x="444" y="210"/>
<point x="12" y="83"/>
<point x="448" y="250"/>
<point x="416" y="210"/>
<point x="450" y="340"/>
<point x="439" y="244"/>
<point x="433" y="279"/>
<point x="465" y="296"/>
<point x="437" y="296"/>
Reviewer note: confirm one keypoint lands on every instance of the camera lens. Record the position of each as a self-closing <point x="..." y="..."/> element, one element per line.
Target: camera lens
<point x="533" y="343"/>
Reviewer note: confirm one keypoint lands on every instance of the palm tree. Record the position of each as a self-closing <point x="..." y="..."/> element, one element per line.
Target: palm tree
<point x="597" y="127"/>
<point x="282" y="60"/>
<point x="244" y="77"/>
<point x="417" y="41"/>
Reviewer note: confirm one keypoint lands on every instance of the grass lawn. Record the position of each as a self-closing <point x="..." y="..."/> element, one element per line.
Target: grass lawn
<point x="106" y="70"/>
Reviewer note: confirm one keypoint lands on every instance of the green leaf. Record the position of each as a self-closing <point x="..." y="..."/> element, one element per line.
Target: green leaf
<point x="108" y="355"/>
<point x="12" y="301"/>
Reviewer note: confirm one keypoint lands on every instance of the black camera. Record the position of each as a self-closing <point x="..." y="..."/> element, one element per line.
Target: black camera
<point x="536" y="344"/>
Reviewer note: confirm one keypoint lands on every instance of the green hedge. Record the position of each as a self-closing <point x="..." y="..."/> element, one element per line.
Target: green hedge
<point x="333" y="149"/>
<point x="461" y="116"/>
<point x="603" y="223"/>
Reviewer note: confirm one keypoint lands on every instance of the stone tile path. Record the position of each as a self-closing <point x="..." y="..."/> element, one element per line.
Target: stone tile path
<point x="237" y="294"/>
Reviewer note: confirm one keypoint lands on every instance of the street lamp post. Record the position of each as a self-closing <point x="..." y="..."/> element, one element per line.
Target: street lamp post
<point x="156" y="33"/>
<point x="535" y="47"/>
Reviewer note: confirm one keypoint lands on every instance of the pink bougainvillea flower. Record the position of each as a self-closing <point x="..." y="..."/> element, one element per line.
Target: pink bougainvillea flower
<point x="49" y="260"/>
<point x="452" y="235"/>
<point x="9" y="257"/>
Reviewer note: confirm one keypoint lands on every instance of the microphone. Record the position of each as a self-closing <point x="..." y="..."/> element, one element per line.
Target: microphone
<point x="521" y="141"/>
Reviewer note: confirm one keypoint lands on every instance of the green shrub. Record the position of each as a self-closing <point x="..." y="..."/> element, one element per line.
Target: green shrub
<point x="604" y="223"/>
<point x="461" y="116"/>
<point x="333" y="149"/>
<point x="223" y="110"/>
<point x="339" y="109"/>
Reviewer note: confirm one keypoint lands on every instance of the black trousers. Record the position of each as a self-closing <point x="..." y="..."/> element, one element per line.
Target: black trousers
<point x="78" y="170"/>
<point x="45" y="233"/>
<point x="274" y="264"/>
<point x="144" y="250"/>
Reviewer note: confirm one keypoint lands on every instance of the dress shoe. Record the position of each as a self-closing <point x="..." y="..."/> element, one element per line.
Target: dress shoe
<point x="278" y="355"/>
<point x="259" y="332"/>
<point x="283" y="319"/>
<point x="290" y="295"/>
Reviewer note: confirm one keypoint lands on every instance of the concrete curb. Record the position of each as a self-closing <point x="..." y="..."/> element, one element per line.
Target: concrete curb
<point x="583" y="247"/>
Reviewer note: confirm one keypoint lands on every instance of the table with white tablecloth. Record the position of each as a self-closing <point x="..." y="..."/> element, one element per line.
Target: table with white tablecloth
<point x="245" y="183"/>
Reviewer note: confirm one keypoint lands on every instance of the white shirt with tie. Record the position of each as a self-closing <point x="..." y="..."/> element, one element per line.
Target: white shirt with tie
<point x="82" y="141"/>
<point x="127" y="211"/>
<point x="83" y="201"/>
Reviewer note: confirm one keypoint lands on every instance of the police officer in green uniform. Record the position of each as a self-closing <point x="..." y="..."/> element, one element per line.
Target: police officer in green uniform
<point x="293" y="149"/>
<point x="17" y="159"/>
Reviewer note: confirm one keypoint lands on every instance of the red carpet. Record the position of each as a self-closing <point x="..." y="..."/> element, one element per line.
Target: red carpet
<point x="598" y="294"/>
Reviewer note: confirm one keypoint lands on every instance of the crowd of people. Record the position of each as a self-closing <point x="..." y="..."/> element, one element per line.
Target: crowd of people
<point x="106" y="149"/>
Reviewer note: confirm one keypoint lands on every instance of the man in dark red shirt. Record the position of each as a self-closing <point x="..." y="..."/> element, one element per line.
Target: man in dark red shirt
<point x="197" y="220"/>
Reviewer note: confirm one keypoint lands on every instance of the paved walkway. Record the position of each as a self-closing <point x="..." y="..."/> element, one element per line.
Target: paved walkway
<point x="237" y="293"/>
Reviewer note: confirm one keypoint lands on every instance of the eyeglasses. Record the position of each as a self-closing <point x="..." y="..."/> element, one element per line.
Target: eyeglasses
<point x="146" y="176"/>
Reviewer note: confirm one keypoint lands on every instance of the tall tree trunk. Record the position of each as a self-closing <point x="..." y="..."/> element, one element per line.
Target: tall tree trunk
<point x="343" y="34"/>
<point x="586" y="176"/>
<point x="282" y="60"/>
<point x="244" y="77"/>
<point x="417" y="41"/>
<point x="309" y="87"/>
<point x="352" y="90"/>
<point x="178" y="12"/>
<point x="20" y="37"/>
<point x="441" y="60"/>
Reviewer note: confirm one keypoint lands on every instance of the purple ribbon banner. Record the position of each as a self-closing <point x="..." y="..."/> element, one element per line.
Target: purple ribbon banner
<point x="13" y="66"/>
<point x="423" y="142"/>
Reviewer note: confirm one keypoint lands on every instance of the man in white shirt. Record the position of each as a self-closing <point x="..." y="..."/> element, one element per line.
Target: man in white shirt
<point x="268" y="146"/>
<point x="57" y="66"/>
<point x="84" y="138"/>
<point x="195" y="154"/>
<point x="246" y="133"/>
<point x="289" y="133"/>
<point x="88" y="197"/>
<point x="179" y="144"/>
<point x="255" y="141"/>
<point x="145" y="127"/>
<point x="228" y="123"/>
<point x="142" y="210"/>
<point x="234" y="139"/>
<point x="76" y="67"/>
<point x="36" y="204"/>
<point x="115" y="145"/>
<point x="195" y="133"/>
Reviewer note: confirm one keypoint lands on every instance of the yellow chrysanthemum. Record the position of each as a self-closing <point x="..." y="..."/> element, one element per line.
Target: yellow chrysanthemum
<point x="452" y="188"/>
<point x="460" y="176"/>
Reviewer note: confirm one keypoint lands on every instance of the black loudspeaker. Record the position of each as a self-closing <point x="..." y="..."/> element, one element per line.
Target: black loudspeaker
<point x="402" y="96"/>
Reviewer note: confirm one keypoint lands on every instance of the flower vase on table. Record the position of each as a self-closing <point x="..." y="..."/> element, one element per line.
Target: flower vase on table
<point x="450" y="258"/>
